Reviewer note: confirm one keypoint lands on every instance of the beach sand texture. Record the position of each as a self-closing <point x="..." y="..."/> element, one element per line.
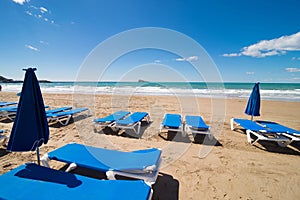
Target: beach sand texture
<point x="230" y="168"/>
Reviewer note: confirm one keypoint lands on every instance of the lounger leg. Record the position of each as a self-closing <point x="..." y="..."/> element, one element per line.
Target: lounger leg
<point x="248" y="132"/>
<point x="45" y="160"/>
<point x="184" y="131"/>
<point x="210" y="136"/>
<point x="231" y="124"/>
<point x="138" y="128"/>
<point x="67" y="121"/>
<point x="110" y="175"/>
<point x="160" y="129"/>
<point x="71" y="167"/>
<point x="283" y="144"/>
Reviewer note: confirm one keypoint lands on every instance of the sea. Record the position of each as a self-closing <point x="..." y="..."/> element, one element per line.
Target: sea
<point x="268" y="91"/>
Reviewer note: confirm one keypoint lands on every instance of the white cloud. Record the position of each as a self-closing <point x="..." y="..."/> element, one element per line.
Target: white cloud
<point x="292" y="69"/>
<point x="41" y="13"/>
<point x="31" y="47"/>
<point x="157" y="61"/>
<point x="250" y="73"/>
<point x="191" y="58"/>
<point x="21" y="2"/>
<point x="43" y="9"/>
<point x="277" y="46"/>
<point x="231" y="54"/>
<point x="28" y="13"/>
<point x="295" y="58"/>
<point x="43" y="42"/>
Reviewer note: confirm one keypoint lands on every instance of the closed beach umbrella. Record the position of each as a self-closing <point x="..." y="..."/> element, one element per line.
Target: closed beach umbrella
<point x="30" y="129"/>
<point x="253" y="105"/>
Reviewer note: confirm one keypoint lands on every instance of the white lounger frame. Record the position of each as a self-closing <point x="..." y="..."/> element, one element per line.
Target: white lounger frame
<point x="188" y="129"/>
<point x="180" y="129"/>
<point x="99" y="126"/>
<point x="64" y="120"/>
<point x="281" y="140"/>
<point x="233" y="124"/>
<point x="7" y="115"/>
<point x="149" y="174"/>
<point x="292" y="137"/>
<point x="133" y="126"/>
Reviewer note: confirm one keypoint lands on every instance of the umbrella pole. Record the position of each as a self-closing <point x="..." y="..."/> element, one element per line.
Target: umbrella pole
<point x="38" y="155"/>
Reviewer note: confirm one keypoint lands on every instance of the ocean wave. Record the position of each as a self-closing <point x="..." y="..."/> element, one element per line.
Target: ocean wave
<point x="159" y="89"/>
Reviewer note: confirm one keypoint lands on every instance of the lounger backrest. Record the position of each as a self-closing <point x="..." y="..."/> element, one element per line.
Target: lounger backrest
<point x="250" y="125"/>
<point x="31" y="181"/>
<point x="105" y="159"/>
<point x="275" y="127"/>
<point x="133" y="118"/>
<point x="58" y="109"/>
<point x="9" y="109"/>
<point x="113" y="117"/>
<point x="172" y="120"/>
<point x="67" y="113"/>
<point x="195" y="122"/>
<point x="7" y="103"/>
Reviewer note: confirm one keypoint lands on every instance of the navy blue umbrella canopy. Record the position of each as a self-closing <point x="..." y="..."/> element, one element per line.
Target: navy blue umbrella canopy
<point x="253" y="106"/>
<point x="30" y="129"/>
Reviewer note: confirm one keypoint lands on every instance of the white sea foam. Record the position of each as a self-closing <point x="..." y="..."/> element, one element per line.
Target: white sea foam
<point x="285" y="95"/>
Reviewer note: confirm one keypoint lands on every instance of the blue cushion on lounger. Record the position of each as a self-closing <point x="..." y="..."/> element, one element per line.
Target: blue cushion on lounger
<point x="105" y="159"/>
<point x="133" y="118"/>
<point x="61" y="109"/>
<point x="113" y="117"/>
<point x="278" y="128"/>
<point x="31" y="181"/>
<point x="196" y="122"/>
<point x="172" y="121"/>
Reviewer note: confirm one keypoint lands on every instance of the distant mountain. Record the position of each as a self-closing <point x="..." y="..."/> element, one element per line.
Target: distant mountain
<point x="6" y="80"/>
<point x="142" y="81"/>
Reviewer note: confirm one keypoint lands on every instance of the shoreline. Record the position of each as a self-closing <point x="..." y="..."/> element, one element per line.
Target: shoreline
<point x="160" y="95"/>
<point x="269" y="91"/>
<point x="232" y="169"/>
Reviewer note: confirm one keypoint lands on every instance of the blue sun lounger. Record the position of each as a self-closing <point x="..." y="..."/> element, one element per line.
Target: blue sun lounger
<point x="259" y="131"/>
<point x="293" y="134"/>
<point x="4" y="103"/>
<point x="171" y="122"/>
<point x="109" y="120"/>
<point x="31" y="181"/>
<point x="60" y="109"/>
<point x="195" y="124"/>
<point x="64" y="117"/>
<point x="132" y="121"/>
<point x="8" y="112"/>
<point x="142" y="164"/>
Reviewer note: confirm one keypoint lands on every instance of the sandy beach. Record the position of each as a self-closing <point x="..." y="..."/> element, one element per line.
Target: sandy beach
<point x="226" y="168"/>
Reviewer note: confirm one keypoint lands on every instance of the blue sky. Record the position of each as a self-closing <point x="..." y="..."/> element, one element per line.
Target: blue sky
<point x="248" y="41"/>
